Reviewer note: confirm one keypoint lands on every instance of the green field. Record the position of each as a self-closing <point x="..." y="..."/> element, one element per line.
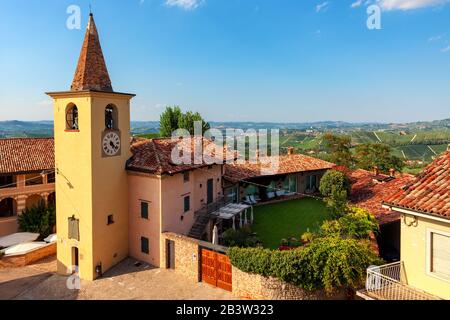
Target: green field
<point x="420" y="145"/>
<point x="288" y="219"/>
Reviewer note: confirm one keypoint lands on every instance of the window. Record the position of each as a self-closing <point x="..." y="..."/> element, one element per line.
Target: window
<point x="51" y="178"/>
<point x="439" y="250"/>
<point x="111" y="117"/>
<point x="8" y="208"/>
<point x="311" y="183"/>
<point x="7" y="182"/>
<point x="144" y="210"/>
<point x="187" y="203"/>
<point x="74" y="229"/>
<point x="72" y="117"/>
<point x="186" y="177"/>
<point x="33" y="179"/>
<point x="110" y="219"/>
<point x="145" y="245"/>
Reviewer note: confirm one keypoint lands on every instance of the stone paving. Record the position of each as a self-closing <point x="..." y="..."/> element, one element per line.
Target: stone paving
<point x="124" y="282"/>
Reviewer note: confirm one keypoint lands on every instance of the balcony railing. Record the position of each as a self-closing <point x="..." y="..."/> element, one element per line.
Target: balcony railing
<point x="388" y="282"/>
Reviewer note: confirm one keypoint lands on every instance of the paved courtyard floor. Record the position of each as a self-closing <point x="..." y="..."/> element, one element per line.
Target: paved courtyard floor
<point x="124" y="282"/>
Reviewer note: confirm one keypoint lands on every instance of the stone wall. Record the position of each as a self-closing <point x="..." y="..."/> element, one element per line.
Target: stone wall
<point x="15" y="261"/>
<point x="245" y="285"/>
<point x="256" y="287"/>
<point x="186" y="255"/>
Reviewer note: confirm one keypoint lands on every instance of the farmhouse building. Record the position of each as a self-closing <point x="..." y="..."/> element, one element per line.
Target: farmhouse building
<point x="26" y="178"/>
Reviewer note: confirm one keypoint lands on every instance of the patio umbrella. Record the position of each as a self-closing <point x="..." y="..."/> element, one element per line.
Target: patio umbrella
<point x="215" y="239"/>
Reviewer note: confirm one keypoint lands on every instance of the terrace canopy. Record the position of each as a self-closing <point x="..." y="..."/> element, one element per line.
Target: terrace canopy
<point x="232" y="210"/>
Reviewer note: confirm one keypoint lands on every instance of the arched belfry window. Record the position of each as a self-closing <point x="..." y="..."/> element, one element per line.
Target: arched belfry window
<point x="111" y="117"/>
<point x="72" y="117"/>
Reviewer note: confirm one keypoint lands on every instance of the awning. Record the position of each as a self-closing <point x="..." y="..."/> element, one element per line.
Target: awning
<point x="231" y="210"/>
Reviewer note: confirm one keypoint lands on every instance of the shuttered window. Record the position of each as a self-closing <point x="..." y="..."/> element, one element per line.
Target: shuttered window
<point x="440" y="255"/>
<point x="74" y="229"/>
<point x="145" y="248"/>
<point x="144" y="210"/>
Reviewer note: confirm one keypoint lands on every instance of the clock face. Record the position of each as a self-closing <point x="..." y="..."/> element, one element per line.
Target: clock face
<point x="111" y="144"/>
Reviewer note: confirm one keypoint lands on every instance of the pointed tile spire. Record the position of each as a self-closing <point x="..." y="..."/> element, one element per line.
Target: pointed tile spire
<point x="91" y="73"/>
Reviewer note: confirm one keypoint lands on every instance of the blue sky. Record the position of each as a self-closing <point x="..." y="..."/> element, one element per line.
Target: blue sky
<point x="238" y="60"/>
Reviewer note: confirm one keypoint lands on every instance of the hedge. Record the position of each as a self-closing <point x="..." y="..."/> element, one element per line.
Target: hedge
<point x="326" y="263"/>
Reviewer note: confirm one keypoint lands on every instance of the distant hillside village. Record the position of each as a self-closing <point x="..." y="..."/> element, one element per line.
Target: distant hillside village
<point x="338" y="218"/>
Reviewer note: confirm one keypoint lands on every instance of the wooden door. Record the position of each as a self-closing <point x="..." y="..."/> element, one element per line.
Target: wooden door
<point x="216" y="269"/>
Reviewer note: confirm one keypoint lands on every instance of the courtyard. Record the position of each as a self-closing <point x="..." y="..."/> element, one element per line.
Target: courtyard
<point x="127" y="281"/>
<point x="283" y="220"/>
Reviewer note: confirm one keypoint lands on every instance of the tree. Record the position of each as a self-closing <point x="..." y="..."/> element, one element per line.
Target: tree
<point x="38" y="219"/>
<point x="172" y="119"/>
<point x="169" y="119"/>
<point x="335" y="187"/>
<point x="370" y="155"/>
<point x="339" y="148"/>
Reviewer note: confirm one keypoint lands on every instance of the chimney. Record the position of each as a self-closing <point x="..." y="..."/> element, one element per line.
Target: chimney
<point x="376" y="170"/>
<point x="392" y="172"/>
<point x="291" y="151"/>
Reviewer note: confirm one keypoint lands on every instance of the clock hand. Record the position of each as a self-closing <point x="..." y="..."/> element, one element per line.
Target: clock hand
<point x="112" y="144"/>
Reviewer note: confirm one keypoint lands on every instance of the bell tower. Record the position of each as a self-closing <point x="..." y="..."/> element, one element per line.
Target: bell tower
<point x="92" y="146"/>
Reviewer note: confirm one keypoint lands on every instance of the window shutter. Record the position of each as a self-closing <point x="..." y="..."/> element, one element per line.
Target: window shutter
<point x="441" y="255"/>
<point x="144" y="210"/>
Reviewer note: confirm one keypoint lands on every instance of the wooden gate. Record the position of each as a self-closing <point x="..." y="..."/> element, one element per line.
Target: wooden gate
<point x="216" y="269"/>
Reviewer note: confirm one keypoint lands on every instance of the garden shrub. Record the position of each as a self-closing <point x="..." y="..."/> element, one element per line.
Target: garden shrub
<point x="335" y="187"/>
<point x="38" y="219"/>
<point x="358" y="223"/>
<point x="327" y="263"/>
<point x="240" y="238"/>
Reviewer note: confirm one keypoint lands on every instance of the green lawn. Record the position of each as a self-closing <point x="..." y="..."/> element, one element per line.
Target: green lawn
<point x="278" y="221"/>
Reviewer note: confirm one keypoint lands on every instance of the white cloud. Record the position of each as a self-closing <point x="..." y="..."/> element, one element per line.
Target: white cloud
<point x="184" y="4"/>
<point x="357" y="4"/>
<point x="446" y="49"/>
<point x="409" y="4"/>
<point x="322" y="6"/>
<point x="436" y="38"/>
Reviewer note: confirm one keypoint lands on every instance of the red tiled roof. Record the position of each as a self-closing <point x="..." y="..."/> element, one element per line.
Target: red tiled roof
<point x="287" y="164"/>
<point x="155" y="156"/>
<point x="429" y="192"/>
<point x="368" y="192"/>
<point x="26" y="155"/>
<point x="91" y="73"/>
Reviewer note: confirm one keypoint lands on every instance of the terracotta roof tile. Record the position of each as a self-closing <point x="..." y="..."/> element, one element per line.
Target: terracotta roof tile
<point x="287" y="164"/>
<point x="155" y="156"/>
<point x="91" y="73"/>
<point x="368" y="192"/>
<point x="26" y="155"/>
<point x="429" y="192"/>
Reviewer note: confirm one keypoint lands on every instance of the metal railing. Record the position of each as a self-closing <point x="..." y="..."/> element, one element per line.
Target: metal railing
<point x="389" y="282"/>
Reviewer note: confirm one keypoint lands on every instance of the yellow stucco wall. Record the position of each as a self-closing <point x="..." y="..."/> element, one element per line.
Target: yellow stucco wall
<point x="414" y="254"/>
<point x="90" y="186"/>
